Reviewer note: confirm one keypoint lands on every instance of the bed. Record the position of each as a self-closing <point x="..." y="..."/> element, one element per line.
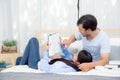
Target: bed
<point x="50" y="76"/>
<point x="23" y="72"/>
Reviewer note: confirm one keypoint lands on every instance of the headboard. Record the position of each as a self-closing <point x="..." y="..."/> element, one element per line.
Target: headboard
<point x="71" y="31"/>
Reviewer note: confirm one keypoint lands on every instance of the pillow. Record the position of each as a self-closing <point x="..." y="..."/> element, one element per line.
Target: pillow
<point x="75" y="47"/>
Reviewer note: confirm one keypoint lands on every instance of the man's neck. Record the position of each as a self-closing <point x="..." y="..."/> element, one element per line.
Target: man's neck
<point x="93" y="34"/>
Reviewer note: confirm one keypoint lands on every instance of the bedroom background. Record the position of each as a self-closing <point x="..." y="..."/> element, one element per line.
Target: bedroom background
<point x="20" y="19"/>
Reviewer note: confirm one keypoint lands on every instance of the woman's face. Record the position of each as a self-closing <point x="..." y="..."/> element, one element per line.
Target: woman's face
<point x="75" y="58"/>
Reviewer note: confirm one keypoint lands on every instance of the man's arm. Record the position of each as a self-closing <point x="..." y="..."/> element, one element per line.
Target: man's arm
<point x="103" y="61"/>
<point x="67" y="42"/>
<point x="88" y="66"/>
<point x="72" y="38"/>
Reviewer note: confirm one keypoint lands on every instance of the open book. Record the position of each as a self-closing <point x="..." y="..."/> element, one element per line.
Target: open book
<point x="54" y="43"/>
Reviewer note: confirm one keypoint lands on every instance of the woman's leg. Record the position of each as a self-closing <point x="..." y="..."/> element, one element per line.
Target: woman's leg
<point x="18" y="60"/>
<point x="34" y="56"/>
<point x="31" y="54"/>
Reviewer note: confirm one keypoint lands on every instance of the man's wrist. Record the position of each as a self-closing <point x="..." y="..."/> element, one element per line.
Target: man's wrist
<point x="92" y="65"/>
<point x="70" y="41"/>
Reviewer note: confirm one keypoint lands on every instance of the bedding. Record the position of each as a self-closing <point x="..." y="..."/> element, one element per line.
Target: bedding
<point x="50" y="76"/>
<point x="98" y="71"/>
<point x="22" y="68"/>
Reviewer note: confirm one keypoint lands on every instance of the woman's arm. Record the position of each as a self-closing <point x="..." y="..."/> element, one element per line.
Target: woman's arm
<point x="67" y="54"/>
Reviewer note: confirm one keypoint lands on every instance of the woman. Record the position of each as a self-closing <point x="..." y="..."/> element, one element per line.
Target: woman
<point x="60" y="65"/>
<point x="56" y="65"/>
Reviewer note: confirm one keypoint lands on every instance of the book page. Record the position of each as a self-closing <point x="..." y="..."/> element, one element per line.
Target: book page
<point x="54" y="43"/>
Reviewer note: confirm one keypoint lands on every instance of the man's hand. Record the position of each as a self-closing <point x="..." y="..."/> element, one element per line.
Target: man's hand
<point x="85" y="67"/>
<point x="88" y="66"/>
<point x="66" y="43"/>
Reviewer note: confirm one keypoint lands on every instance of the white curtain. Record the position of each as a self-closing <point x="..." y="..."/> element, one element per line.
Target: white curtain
<point x="106" y="11"/>
<point x="6" y="30"/>
<point x="23" y="17"/>
<point x="19" y="19"/>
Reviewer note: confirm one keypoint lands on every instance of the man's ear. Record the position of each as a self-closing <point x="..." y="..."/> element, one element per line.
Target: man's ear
<point x="60" y="39"/>
<point x="88" y="30"/>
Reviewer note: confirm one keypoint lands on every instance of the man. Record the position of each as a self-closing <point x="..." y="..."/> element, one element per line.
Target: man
<point x="94" y="41"/>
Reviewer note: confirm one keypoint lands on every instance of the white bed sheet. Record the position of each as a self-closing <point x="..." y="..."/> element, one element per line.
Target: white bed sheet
<point x="22" y="68"/>
<point x="110" y="73"/>
<point x="99" y="71"/>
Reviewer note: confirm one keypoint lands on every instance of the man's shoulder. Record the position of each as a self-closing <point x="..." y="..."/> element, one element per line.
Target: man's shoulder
<point x="103" y="34"/>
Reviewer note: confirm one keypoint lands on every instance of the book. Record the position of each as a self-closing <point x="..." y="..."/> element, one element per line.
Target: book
<point x="54" y="44"/>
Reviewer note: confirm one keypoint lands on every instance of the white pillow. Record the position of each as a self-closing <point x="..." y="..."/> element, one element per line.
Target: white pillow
<point x="75" y="47"/>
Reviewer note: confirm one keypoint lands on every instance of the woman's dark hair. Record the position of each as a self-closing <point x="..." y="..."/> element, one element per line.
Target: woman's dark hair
<point x="68" y="62"/>
<point x="83" y="56"/>
<point x="88" y="21"/>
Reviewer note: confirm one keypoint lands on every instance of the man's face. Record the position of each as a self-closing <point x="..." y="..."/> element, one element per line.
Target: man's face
<point x="83" y="31"/>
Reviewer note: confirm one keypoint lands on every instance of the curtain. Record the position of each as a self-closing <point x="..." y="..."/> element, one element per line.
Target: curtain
<point x="19" y="19"/>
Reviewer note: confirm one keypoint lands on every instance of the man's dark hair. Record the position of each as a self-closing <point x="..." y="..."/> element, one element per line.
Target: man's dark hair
<point x="83" y="57"/>
<point x="88" y="21"/>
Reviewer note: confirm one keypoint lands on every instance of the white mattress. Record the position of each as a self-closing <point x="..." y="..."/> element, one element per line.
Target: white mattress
<point x="99" y="71"/>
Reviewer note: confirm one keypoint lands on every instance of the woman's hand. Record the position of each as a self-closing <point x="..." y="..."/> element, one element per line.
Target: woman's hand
<point x="56" y="56"/>
<point x="46" y="46"/>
